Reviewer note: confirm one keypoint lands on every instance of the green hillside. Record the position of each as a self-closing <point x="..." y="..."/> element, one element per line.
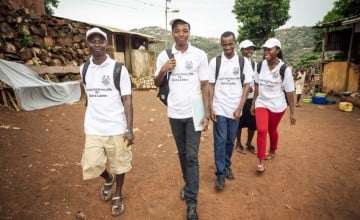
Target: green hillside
<point x="296" y="42"/>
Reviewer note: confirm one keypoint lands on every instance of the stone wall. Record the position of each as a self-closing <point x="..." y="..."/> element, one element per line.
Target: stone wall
<point x="35" y="39"/>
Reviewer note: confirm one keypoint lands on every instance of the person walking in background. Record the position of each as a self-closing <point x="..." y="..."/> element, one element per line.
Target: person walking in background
<point x="269" y="102"/>
<point x="299" y="84"/>
<point x="108" y="121"/>
<point x="229" y="85"/>
<point x="189" y="75"/>
<point x="247" y="120"/>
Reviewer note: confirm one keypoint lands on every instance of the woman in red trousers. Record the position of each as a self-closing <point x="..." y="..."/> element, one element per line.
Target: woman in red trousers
<point x="269" y="103"/>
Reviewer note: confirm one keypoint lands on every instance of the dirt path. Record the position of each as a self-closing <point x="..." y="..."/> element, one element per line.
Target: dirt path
<point x="314" y="176"/>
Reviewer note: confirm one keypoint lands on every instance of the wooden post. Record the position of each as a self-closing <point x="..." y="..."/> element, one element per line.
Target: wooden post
<point x="13" y="101"/>
<point x="2" y="88"/>
<point x="348" y="58"/>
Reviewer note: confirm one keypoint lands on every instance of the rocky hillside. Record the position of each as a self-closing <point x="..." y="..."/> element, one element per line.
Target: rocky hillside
<point x="296" y="41"/>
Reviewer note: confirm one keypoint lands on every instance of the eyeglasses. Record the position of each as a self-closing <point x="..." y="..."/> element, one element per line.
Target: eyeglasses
<point x="94" y="42"/>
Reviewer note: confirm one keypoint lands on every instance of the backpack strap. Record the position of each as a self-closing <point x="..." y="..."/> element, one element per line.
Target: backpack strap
<point x="253" y="64"/>
<point x="282" y="71"/>
<point x="217" y="68"/>
<point x="241" y="64"/>
<point x="117" y="75"/>
<point x="84" y="70"/>
<point x="259" y="66"/>
<point x="169" y="53"/>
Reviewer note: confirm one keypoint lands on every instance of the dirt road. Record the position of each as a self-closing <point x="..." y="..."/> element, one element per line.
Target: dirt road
<point x="316" y="174"/>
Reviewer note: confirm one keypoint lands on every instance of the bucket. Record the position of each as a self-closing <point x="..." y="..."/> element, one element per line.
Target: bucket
<point x="346" y="106"/>
<point x="318" y="100"/>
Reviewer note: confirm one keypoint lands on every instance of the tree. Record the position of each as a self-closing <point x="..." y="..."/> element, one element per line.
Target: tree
<point x="342" y="9"/>
<point x="260" y="18"/>
<point x="49" y="4"/>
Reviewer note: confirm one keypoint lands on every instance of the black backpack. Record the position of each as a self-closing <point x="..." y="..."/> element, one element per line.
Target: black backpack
<point x="241" y="64"/>
<point x="164" y="87"/>
<point x="116" y="74"/>
<point x="282" y="75"/>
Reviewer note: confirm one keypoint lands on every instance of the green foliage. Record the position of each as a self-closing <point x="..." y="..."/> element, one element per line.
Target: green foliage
<point x="260" y="18"/>
<point x="342" y="9"/>
<point x="308" y="60"/>
<point x="49" y="4"/>
<point x="27" y="39"/>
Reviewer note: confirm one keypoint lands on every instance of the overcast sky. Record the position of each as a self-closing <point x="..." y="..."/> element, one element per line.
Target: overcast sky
<point x="208" y="18"/>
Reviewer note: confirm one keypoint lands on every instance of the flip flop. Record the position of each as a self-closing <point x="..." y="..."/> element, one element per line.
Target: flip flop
<point x="105" y="192"/>
<point x="239" y="148"/>
<point x="269" y="156"/>
<point x="252" y="149"/>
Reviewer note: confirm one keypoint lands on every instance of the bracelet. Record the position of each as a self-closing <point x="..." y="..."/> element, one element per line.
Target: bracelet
<point x="130" y="131"/>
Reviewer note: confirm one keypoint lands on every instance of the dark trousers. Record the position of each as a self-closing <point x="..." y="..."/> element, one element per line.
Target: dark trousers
<point x="187" y="143"/>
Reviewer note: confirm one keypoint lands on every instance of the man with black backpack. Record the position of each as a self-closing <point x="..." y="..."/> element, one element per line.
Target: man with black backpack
<point x="186" y="71"/>
<point x="230" y="76"/>
<point x="108" y="121"/>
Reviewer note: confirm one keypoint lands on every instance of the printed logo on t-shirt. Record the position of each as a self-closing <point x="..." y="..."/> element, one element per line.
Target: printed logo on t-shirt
<point x="275" y="75"/>
<point x="189" y="65"/>
<point x="105" y="80"/>
<point x="236" y="70"/>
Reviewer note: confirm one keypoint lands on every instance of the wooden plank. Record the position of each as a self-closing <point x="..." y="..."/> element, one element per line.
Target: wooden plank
<point x="4" y="97"/>
<point x="13" y="101"/>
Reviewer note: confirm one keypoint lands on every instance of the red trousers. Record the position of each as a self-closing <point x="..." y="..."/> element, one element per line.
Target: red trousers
<point x="267" y="121"/>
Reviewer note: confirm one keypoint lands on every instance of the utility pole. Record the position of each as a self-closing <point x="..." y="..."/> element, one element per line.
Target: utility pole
<point x="167" y="10"/>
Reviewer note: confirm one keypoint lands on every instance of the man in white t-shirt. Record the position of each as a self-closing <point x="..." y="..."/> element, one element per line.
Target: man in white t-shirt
<point x="189" y="76"/>
<point x="228" y="94"/>
<point x="108" y="121"/>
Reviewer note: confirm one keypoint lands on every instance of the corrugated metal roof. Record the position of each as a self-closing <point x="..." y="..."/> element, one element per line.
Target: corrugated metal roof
<point x="150" y="38"/>
<point x="340" y="22"/>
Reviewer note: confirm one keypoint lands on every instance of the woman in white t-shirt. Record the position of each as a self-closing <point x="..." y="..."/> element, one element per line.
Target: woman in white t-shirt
<point x="269" y="103"/>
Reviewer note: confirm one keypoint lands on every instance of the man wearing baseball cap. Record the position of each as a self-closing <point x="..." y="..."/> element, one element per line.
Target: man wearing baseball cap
<point x="108" y="121"/>
<point x="189" y="75"/>
<point x="247" y="120"/>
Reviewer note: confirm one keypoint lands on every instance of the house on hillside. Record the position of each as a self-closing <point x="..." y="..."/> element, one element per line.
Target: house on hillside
<point x="340" y="60"/>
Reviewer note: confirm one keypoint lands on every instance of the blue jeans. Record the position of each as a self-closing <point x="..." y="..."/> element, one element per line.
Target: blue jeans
<point x="187" y="143"/>
<point x="225" y="130"/>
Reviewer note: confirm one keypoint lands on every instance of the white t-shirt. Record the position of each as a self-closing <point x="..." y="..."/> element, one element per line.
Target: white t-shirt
<point x="105" y="114"/>
<point x="271" y="86"/>
<point x="252" y="83"/>
<point x="191" y="68"/>
<point x="228" y="88"/>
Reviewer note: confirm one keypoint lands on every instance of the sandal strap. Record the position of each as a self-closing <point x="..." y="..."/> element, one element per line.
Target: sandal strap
<point x="116" y="197"/>
<point x="112" y="181"/>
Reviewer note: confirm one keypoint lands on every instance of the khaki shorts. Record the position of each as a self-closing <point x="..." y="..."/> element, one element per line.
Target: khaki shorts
<point x="102" y="149"/>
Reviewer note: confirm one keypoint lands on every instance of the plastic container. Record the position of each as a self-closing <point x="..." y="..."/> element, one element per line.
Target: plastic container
<point x="307" y="100"/>
<point x="319" y="94"/>
<point x="346" y="106"/>
<point x="318" y="100"/>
